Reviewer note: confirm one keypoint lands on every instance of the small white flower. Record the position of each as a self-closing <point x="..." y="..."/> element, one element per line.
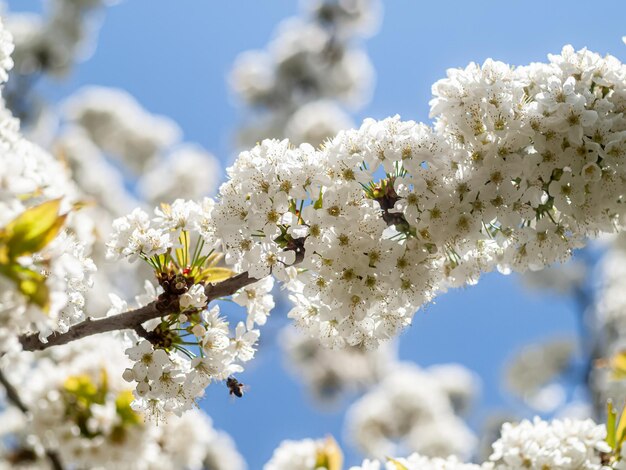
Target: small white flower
<point x="198" y="330"/>
<point x="194" y="298"/>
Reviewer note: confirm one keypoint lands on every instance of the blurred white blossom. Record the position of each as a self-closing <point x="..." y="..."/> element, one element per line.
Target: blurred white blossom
<point x="315" y="122"/>
<point x="306" y="454"/>
<point x="411" y="410"/>
<point x="117" y="124"/>
<point x="331" y="373"/>
<point x="52" y="42"/>
<point x="188" y="172"/>
<point x="532" y="373"/>
<point x="312" y="69"/>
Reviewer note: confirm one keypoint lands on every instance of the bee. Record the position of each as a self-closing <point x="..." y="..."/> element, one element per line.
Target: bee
<point x="235" y="387"/>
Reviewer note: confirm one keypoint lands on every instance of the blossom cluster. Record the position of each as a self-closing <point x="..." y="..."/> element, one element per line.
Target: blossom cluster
<point x="169" y="378"/>
<point x="534" y="445"/>
<point x="314" y="65"/>
<point x="415" y="410"/>
<point x="520" y="167"/>
<point x="138" y="236"/>
<point x="189" y="346"/>
<point x="81" y="408"/>
<point x="45" y="269"/>
<point x="564" y="444"/>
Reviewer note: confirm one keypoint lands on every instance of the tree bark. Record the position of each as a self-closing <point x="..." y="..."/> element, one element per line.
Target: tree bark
<point x="130" y="320"/>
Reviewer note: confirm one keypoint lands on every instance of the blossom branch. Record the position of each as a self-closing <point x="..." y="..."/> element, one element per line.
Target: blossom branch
<point x="130" y="320"/>
<point x="14" y="398"/>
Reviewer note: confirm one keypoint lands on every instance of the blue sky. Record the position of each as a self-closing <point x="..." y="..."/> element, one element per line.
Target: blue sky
<point x="173" y="56"/>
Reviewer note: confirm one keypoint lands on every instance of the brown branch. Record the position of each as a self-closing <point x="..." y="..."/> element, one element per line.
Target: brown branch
<point x="54" y="459"/>
<point x="130" y="320"/>
<point x="14" y="398"/>
<point x="12" y="394"/>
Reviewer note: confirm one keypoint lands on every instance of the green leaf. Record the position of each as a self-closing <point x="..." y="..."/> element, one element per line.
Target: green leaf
<point x="33" y="229"/>
<point x="398" y="465"/>
<point x="103" y="387"/>
<point x="4" y="249"/>
<point x="82" y="388"/>
<point x="611" y="418"/>
<point x="213" y="259"/>
<point x="329" y="455"/>
<point x="617" y="364"/>
<point x="123" y="403"/>
<point x="30" y="283"/>
<point x="182" y="253"/>
<point x="320" y="201"/>
<point x="621" y="430"/>
<point x="214" y="274"/>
